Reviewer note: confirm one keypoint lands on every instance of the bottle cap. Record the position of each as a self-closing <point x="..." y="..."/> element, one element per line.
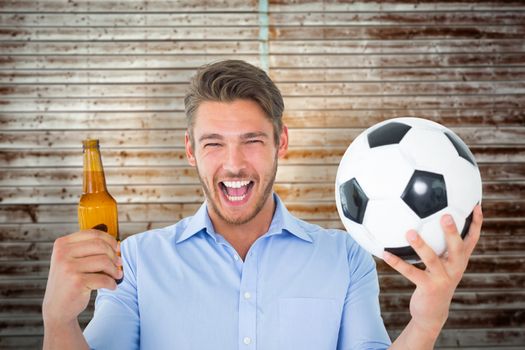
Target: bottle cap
<point x="90" y="143"/>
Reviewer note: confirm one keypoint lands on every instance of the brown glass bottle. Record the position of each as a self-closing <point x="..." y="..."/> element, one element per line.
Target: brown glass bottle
<point x="97" y="209"/>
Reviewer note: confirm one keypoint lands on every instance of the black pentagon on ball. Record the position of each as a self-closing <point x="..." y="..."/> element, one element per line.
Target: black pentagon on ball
<point x="461" y="148"/>
<point x="405" y="253"/>
<point x="391" y="133"/>
<point x="353" y="200"/>
<point x="466" y="227"/>
<point x="426" y="193"/>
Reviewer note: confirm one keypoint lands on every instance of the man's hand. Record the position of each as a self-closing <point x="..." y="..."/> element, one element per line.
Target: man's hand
<point x="435" y="286"/>
<point x="80" y="262"/>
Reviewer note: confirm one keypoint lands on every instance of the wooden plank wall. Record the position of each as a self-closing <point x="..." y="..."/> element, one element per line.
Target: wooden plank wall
<point x="117" y="70"/>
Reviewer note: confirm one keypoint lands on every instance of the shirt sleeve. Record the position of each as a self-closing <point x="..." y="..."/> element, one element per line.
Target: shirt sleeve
<point x="362" y="326"/>
<point x="115" y="324"/>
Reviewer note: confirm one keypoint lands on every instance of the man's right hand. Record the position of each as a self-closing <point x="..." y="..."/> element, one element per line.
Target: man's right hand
<point x="80" y="262"/>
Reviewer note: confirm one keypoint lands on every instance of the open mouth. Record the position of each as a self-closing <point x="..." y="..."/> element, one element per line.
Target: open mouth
<point x="236" y="191"/>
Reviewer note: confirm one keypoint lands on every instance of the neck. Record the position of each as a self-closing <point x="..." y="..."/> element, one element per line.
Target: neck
<point x="242" y="236"/>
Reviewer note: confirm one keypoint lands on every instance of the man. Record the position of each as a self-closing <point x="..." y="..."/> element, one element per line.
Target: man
<point x="242" y="273"/>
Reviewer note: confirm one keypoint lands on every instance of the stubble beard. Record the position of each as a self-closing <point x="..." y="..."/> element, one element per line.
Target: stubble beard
<point x="258" y="206"/>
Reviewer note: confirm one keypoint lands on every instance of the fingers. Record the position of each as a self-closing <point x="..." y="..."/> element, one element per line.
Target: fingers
<point x="94" y="246"/>
<point x="412" y="273"/>
<point x="100" y="263"/>
<point x="425" y="252"/>
<point x="99" y="280"/>
<point x="85" y="235"/>
<point x="474" y="231"/>
<point x="455" y="245"/>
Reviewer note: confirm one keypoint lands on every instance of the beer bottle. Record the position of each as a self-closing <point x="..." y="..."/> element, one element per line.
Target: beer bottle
<point x="97" y="209"/>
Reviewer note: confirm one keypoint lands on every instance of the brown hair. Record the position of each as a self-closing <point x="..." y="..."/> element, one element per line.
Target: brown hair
<point x="229" y="80"/>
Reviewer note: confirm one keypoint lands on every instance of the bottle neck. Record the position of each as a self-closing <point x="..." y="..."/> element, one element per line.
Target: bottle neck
<point x="93" y="175"/>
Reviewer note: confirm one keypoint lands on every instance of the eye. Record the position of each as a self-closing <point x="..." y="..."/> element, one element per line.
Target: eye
<point x="254" y="142"/>
<point x="211" y="144"/>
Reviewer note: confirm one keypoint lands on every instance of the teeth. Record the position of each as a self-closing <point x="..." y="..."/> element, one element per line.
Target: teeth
<point x="235" y="184"/>
<point x="236" y="198"/>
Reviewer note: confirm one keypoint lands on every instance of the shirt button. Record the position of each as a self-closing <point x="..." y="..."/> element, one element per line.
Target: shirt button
<point x="247" y="295"/>
<point x="247" y="340"/>
<point x="236" y="257"/>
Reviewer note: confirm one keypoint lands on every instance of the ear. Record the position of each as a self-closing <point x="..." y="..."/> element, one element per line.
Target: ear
<point x="283" y="142"/>
<point x="189" y="150"/>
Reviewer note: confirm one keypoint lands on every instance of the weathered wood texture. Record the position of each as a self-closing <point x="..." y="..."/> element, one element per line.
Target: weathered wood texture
<point x="118" y="70"/>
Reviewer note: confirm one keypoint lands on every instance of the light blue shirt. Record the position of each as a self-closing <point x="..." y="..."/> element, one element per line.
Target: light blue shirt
<point x="300" y="287"/>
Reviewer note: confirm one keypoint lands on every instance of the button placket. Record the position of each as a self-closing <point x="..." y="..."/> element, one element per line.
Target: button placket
<point x="247" y="301"/>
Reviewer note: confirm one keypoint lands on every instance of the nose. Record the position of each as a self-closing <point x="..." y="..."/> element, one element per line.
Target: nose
<point x="234" y="161"/>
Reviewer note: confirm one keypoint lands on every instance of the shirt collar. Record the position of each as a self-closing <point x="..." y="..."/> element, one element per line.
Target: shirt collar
<point x="282" y="221"/>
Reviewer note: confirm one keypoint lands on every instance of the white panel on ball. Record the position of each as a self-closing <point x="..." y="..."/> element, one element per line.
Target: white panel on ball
<point x="432" y="232"/>
<point x="357" y="150"/>
<point x="383" y="173"/>
<point x="387" y="219"/>
<point x="463" y="185"/>
<point x="429" y="150"/>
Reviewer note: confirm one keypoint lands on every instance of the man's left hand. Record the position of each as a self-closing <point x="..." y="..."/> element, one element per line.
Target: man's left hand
<point x="435" y="286"/>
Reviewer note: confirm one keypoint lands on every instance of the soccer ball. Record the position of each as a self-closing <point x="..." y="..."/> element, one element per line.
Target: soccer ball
<point x="403" y="174"/>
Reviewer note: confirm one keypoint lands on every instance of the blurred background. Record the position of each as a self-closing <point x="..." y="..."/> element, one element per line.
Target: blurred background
<point x="118" y="70"/>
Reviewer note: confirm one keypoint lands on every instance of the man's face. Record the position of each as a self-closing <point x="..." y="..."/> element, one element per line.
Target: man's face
<point x="236" y="157"/>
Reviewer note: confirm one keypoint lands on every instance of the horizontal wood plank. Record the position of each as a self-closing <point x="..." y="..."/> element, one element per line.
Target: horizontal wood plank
<point x="112" y="62"/>
<point x="35" y="273"/>
<point x="400" y="103"/>
<point x="302" y="189"/>
<point x="398" y="18"/>
<point x="507" y="248"/>
<point x="492" y="231"/>
<point x="470" y="319"/>
<point x="384" y="61"/>
<point x="496" y="162"/>
<point x="175" y="137"/>
<point x="366" y="74"/>
<point x="137" y="20"/>
<point x="168" y="47"/>
<point x="462" y="302"/>
<point x="393" y="320"/>
<point x="172" y="212"/>
<point x="275" y="61"/>
<point x="392" y="6"/>
<point x="177" y="74"/>
<point x="278" y="47"/>
<point x="136" y="33"/>
<point x="87" y="76"/>
<point x="293" y="119"/>
<point x="398" y="32"/>
<point x="289" y="89"/>
<point x="508" y="175"/>
<point x="278" y="19"/>
<point x="128" y="6"/>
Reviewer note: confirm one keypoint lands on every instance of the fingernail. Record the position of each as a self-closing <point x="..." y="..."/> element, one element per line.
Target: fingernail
<point x="447" y="219"/>
<point x="119" y="261"/>
<point x="387" y="256"/>
<point x="411" y="236"/>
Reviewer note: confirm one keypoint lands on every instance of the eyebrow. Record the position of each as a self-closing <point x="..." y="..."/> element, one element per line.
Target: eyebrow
<point x="246" y="136"/>
<point x="253" y="135"/>
<point x="210" y="137"/>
